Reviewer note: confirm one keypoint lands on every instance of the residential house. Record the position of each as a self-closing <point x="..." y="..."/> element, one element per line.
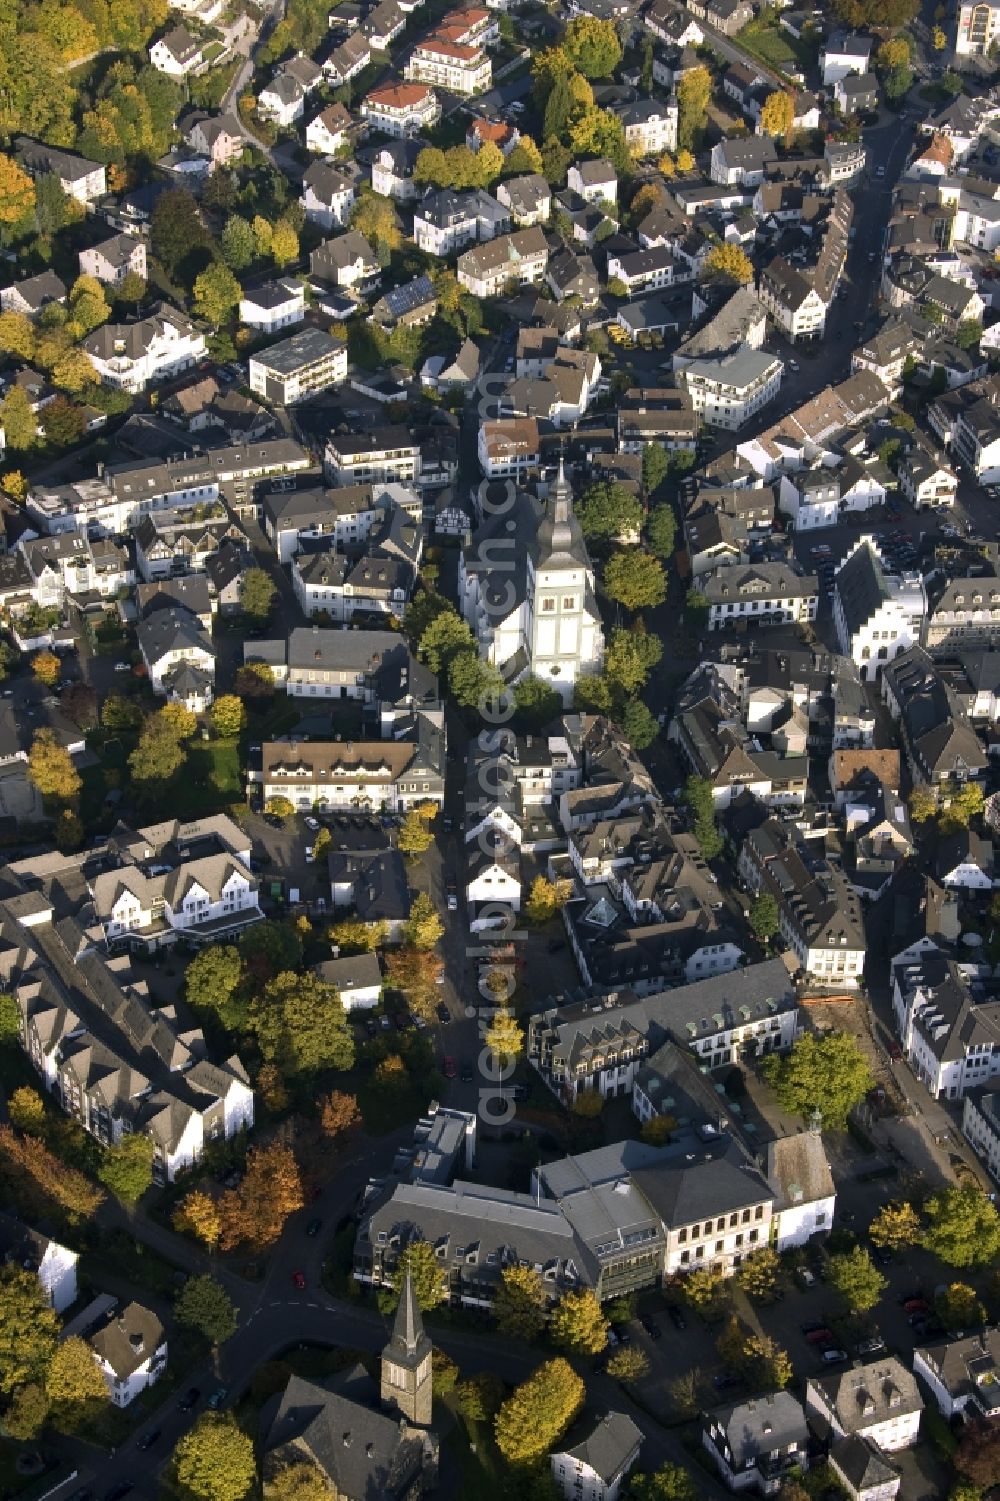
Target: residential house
<point x="517" y="259"/>
<point x="178" y="53"/>
<point x="448" y="64"/>
<point x="593" y="1461"/>
<point x="977" y="25"/>
<point x="962" y="1373"/>
<point x="32" y="294"/>
<point x="878" y="1401"/>
<point x="348" y="60"/>
<point x="112" y="260"/>
<point x="273" y="306"/>
<point x="172" y="639"/>
<point x="401" y="109"/>
<point x="792" y="300"/>
<point x="742" y="161"/>
<point x="594" y="180"/>
<point x="328" y="194"/>
<point x="863" y="1470"/>
<point x="757" y="1442"/>
<point x="981" y="1126"/>
<point x="392" y="169"/>
<point x="569" y="275"/>
<point x="329" y="131"/>
<point x="940" y="744"/>
<point x="358" y="979"/>
<point x="54" y="1264"/>
<point x="131" y="356"/>
<point x="845" y="53"/>
<point x="877" y="616"/>
<point x="508" y="447"/>
<point x="925" y="477"/>
<point x="298" y="367"/>
<point x="856" y="94"/>
<point x="348" y="260"/>
<point x="210" y="136"/>
<point x="383" y="455"/>
<point x="950" y="1039"/>
<point x="407" y="306"/>
<point x="761" y="594"/>
<point x="529" y="199"/>
<point x="81" y="179"/>
<point x="384" y="775"/>
<point x="729" y="389"/>
<point x="650" y="126"/>
<point x="130" y="1351"/>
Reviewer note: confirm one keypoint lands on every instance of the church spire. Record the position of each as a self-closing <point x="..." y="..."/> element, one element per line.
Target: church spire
<point x="406" y="1360"/>
<point x="408" y="1339"/>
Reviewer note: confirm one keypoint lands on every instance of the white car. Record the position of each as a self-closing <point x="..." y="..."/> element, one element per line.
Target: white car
<point x="879" y="171"/>
<point x="122" y="667"/>
<point x="311" y="823"/>
<point x="452" y="902"/>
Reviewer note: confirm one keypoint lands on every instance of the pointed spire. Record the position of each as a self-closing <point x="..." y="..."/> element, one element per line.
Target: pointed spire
<point x="408" y="1338"/>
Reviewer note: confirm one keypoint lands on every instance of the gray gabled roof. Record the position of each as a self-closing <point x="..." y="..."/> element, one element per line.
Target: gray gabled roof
<point x="607" y="1447"/>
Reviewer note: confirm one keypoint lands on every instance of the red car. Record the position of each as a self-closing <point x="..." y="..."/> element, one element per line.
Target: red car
<point x="819" y="1336"/>
<point x="448" y="1068"/>
<point x="916" y="1305"/>
<point x="299" y="1278"/>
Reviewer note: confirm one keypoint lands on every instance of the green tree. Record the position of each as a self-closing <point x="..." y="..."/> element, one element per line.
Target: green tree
<point x="26" y="1413"/>
<point x="445" y="635"/>
<point x="178" y="238"/>
<point x="963" y="1227"/>
<point x="213" y="983"/>
<point x="546" y="898"/>
<point x="257" y="595"/>
<point x="758" y="1276"/>
<point x="204" y="1305"/>
<point x="856" y="1279"/>
<point x="299" y="1480"/>
<point x="424" y="927"/>
<point x="661" y="529"/>
<point x="655" y="467"/>
<point x="730" y="263"/>
<point x="300" y="1025"/>
<point x="592" y="46"/>
<point x="127" y="1169"/>
<point x="504" y="1036"/>
<point x="629" y="1364"/>
<point x="538" y="1412"/>
<point x="578" y="1324"/>
<point x="635" y="579"/>
<point x="519" y="1305"/>
<point x="923" y="804"/>
<point x="480" y="1396"/>
<point x="51" y="769"/>
<point x="536" y="703"/>
<point x="415" y="835"/>
<point x="156" y="759"/>
<point x="17" y="335"/>
<point x="228" y="716"/>
<point x="74" y="1385"/>
<point x="958" y="1307"/>
<point x="630" y="657"/>
<point x="704" y="1288"/>
<point x="352" y="936"/>
<point x="694" y="91"/>
<point x="825" y="1076"/>
<point x="131" y="289"/>
<point x="609" y="512"/>
<point x="472" y="681"/>
<point x="639" y="724"/>
<point x="51" y="204"/>
<point x="430" y="1282"/>
<point x="10" y="1020"/>
<point x="524" y="160"/>
<point x="19" y="422"/>
<point x="764" y="917"/>
<point x="88" y="306"/>
<point x="216" y="294"/>
<point x="669" y="1483"/>
<point x="28" y="1329"/>
<point x="215" y="1461"/>
<point x="284" y="243"/>
<point x="237" y="243"/>
<point x="968" y="333"/>
<point x="895" y="1227"/>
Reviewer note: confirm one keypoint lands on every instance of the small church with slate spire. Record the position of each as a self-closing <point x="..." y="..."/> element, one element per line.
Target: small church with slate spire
<point x="406" y="1362"/>
<point x="526" y="584"/>
<point x="365" y="1440"/>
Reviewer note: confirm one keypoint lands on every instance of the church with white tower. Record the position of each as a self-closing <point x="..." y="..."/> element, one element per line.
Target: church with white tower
<point x="526" y="584"/>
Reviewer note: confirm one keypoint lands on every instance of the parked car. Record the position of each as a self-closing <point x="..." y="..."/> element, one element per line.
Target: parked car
<point x="835" y="1357"/>
<point x="652" y="1329"/>
<point x="299" y="1278"/>
<point x="874" y="1345"/>
<point x="452" y="902"/>
<point x="806" y="1277"/>
<point x="149" y="1439"/>
<point x="675" y="1316"/>
<point x="217" y="1398"/>
<point x="820" y="1336"/>
<point x="312" y="823"/>
<point x="448" y="1067"/>
<point x="314" y="1227"/>
<point x="443" y="1014"/>
<point x="468" y="1073"/>
<point x="189" y="1399"/>
<point x="622" y="1332"/>
<point x="726" y="1380"/>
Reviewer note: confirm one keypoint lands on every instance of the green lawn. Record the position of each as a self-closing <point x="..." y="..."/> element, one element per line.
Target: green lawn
<point x="211" y="779"/>
<point x="123" y="1256"/>
<point x="777" y="47"/>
